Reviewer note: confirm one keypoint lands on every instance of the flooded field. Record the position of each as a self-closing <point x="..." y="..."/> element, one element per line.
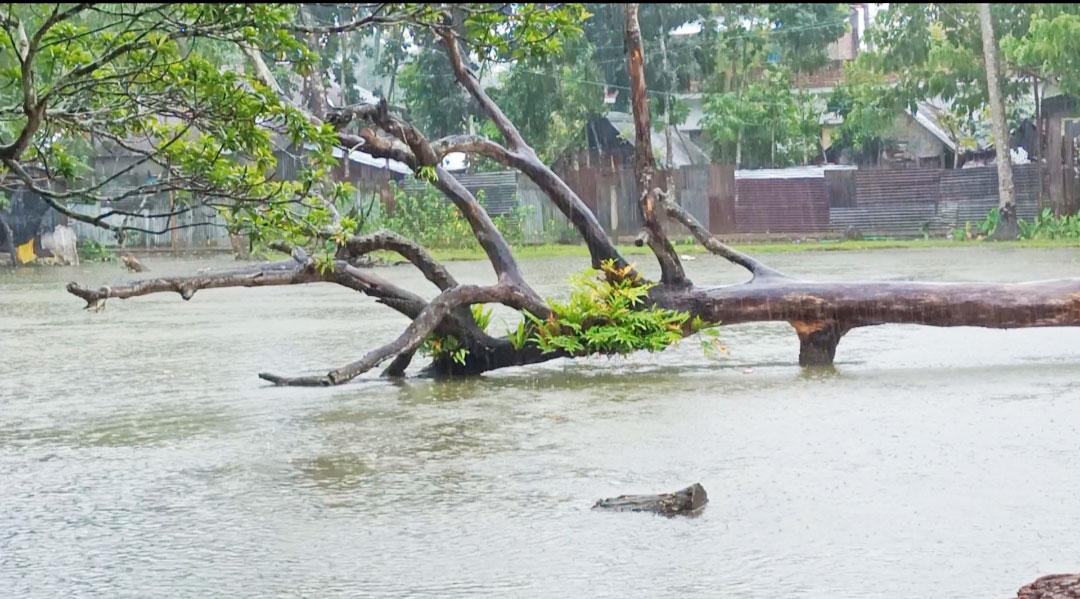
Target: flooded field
<point x="141" y="456"/>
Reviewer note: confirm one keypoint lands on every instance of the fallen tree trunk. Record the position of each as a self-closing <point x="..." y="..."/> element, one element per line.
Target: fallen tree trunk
<point x="822" y="312"/>
<point x="684" y="502"/>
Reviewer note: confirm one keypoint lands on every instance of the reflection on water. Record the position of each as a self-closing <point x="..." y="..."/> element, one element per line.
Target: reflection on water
<point x="141" y="456"/>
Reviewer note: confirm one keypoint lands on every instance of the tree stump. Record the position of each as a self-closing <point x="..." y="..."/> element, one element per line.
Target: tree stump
<point x="1053" y="586"/>
<point x="686" y="502"/>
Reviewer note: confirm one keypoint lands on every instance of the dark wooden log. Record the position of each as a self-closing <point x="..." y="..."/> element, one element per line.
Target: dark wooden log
<point x="1054" y="586"/>
<point x="685" y="502"/>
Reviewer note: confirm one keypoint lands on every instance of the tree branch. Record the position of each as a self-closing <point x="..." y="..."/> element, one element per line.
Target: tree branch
<point x="522" y="157"/>
<point x="671" y="270"/>
<point x="411" y="251"/>
<point x="713" y="244"/>
<point x="413" y="336"/>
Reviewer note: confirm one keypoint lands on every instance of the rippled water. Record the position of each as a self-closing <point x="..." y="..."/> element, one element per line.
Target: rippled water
<point x="140" y="455"/>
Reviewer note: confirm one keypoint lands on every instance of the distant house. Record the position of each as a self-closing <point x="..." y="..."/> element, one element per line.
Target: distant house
<point x="922" y="138"/>
<point x="611" y="142"/>
<point x="819" y="82"/>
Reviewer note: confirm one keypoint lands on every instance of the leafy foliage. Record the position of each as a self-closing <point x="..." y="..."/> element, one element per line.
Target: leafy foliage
<point x="763" y="124"/>
<point x="1050" y="47"/>
<point x="92" y="251"/>
<point x="933" y="51"/>
<point x="427" y="217"/>
<point x="751" y="113"/>
<point x="1048" y="226"/>
<point x="449" y="347"/>
<point x="606" y="313"/>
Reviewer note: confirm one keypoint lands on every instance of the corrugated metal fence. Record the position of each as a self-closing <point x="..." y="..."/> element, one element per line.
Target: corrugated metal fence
<point x="798" y="201"/>
<point x="706" y="191"/>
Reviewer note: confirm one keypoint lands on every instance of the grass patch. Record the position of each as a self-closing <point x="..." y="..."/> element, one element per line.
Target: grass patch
<point x="580" y="251"/>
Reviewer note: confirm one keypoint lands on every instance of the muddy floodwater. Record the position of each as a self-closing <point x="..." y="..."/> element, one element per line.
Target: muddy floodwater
<point x="141" y="456"/>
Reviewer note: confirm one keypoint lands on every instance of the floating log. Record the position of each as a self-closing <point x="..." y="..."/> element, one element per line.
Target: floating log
<point x="687" y="502"/>
<point x="1053" y="586"/>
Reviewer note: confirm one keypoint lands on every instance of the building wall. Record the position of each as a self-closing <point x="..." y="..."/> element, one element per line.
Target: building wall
<point x="917" y="141"/>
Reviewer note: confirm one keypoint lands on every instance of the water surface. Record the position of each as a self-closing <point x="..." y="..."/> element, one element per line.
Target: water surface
<point x="140" y="455"/>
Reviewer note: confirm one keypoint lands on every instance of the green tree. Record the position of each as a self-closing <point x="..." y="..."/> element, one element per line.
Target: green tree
<point x="752" y="115"/>
<point x="930" y="52"/>
<point x="551" y="98"/>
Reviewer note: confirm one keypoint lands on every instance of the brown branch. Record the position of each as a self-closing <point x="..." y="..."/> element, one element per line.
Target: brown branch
<point x="420" y="153"/>
<point x="522" y="157"/>
<point x="671" y="270"/>
<point x="411" y="251"/>
<point x="713" y="244"/>
<point x="413" y="336"/>
<point x="416" y="151"/>
<point x="288" y="272"/>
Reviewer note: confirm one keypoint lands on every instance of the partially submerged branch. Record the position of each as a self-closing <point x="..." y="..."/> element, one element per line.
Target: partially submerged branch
<point x="409" y="341"/>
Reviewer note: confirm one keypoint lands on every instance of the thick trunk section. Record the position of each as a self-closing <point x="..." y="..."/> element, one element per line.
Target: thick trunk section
<point x="822" y="313"/>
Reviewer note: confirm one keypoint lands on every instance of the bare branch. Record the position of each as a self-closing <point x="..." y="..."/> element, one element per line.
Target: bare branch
<point x="671" y="270"/>
<point x="411" y="251"/>
<point x="413" y="336"/>
<point x="522" y="157"/>
<point x="713" y="244"/>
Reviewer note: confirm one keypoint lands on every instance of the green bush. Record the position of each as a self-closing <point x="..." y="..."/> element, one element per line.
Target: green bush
<point x="606" y="314"/>
<point x="93" y="251"/>
<point x="429" y="218"/>
<point x="1048" y="226"/>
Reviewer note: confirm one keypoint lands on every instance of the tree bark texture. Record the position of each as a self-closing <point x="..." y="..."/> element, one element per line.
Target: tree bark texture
<point x="671" y="270"/>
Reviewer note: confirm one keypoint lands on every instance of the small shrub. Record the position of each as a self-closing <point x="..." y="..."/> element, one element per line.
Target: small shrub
<point x="606" y="314"/>
<point x="92" y="251"/>
<point x="429" y="218"/>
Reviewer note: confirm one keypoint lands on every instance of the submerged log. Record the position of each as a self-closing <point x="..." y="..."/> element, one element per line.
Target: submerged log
<point x="1054" y="586"/>
<point x="689" y="501"/>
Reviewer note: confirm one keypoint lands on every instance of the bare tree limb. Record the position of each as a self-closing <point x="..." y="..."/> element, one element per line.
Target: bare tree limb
<point x="413" y="336"/>
<point x="411" y="251"/>
<point x="713" y="244"/>
<point x="522" y="157"/>
<point x="671" y="270"/>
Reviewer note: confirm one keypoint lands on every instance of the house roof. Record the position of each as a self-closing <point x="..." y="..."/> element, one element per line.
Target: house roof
<point x="929" y="114"/>
<point x="683" y="151"/>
